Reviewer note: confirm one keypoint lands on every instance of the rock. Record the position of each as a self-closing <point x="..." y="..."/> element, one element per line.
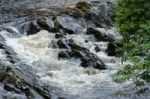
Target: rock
<point x="91" y="60"/>
<point x="83" y="6"/>
<point x="52" y="44"/>
<point x="70" y="24"/>
<point x="96" y="13"/>
<point x="10" y="87"/>
<point x="87" y="58"/>
<point x="1" y="46"/>
<point x="86" y="41"/>
<point x="97" y="48"/>
<point x="98" y="35"/>
<point x="59" y="35"/>
<point x="2" y="76"/>
<point x="63" y="44"/>
<point x="13" y="82"/>
<point x="13" y="31"/>
<point x="74" y="46"/>
<point x="111" y="49"/>
<point x="63" y="54"/>
<point x="46" y="23"/>
<point x="33" y="28"/>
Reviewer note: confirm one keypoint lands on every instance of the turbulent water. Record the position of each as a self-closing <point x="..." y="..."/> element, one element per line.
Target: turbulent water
<point x="63" y="77"/>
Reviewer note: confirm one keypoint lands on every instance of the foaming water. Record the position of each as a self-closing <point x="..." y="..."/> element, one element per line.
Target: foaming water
<point x="67" y="74"/>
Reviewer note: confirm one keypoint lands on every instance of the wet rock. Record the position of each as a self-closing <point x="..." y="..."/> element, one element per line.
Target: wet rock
<point x="91" y="60"/>
<point x="97" y="48"/>
<point x="70" y="24"/>
<point x="62" y="44"/>
<point x="83" y="6"/>
<point x="13" y="83"/>
<point x="98" y="35"/>
<point x="63" y="54"/>
<point x="13" y="31"/>
<point x="59" y="35"/>
<point x="87" y="58"/>
<point x="112" y="47"/>
<point x="2" y="76"/>
<point x="53" y="44"/>
<point x="86" y="41"/>
<point x="9" y="87"/>
<point x="33" y="28"/>
<point x="46" y="23"/>
<point x="1" y="46"/>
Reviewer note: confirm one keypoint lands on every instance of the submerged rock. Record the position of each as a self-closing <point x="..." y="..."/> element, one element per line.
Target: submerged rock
<point x="13" y="31"/>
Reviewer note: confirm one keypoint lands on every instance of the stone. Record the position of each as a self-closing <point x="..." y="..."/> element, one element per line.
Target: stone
<point x="10" y="87"/>
<point x="52" y="44"/>
<point x="63" y="44"/>
<point x="13" y="31"/>
<point x="46" y="23"/>
<point x="33" y="28"/>
<point x="70" y="24"/>
<point x="111" y="49"/>
<point x="63" y="54"/>
<point x="83" y="6"/>
<point x="87" y="58"/>
<point x="97" y="48"/>
<point x="59" y="35"/>
<point x="98" y="35"/>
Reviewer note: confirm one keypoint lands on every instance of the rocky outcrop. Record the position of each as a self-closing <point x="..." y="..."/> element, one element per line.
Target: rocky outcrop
<point x="87" y="58"/>
<point x="71" y="24"/>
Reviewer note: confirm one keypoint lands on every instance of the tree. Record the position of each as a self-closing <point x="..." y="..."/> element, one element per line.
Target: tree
<point x="133" y="23"/>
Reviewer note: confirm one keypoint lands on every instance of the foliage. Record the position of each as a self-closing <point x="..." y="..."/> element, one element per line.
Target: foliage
<point x="133" y="22"/>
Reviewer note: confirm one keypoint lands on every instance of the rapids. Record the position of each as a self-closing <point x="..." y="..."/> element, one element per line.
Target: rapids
<point x="38" y="63"/>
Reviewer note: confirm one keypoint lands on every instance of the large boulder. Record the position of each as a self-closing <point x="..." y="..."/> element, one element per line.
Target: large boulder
<point x="71" y="24"/>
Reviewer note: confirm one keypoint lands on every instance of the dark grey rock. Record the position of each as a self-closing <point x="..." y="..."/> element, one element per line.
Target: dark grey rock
<point x="33" y="28"/>
<point x="63" y="44"/>
<point x="71" y="24"/>
<point x="87" y="58"/>
<point x="46" y="23"/>
<point x="97" y="48"/>
<point x="98" y="35"/>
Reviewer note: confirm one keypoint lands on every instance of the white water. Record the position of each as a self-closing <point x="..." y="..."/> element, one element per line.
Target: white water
<point x="65" y="74"/>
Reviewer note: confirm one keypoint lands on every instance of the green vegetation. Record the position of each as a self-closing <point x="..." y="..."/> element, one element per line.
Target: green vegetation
<point x="133" y="22"/>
